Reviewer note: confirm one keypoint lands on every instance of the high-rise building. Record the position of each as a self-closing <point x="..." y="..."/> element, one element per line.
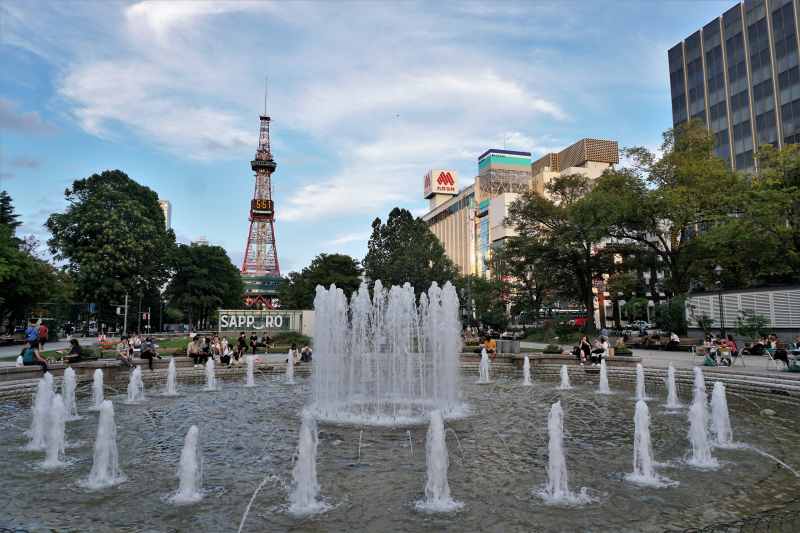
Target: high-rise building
<point x="739" y="75"/>
<point x="471" y="223"/>
<point x="166" y="207"/>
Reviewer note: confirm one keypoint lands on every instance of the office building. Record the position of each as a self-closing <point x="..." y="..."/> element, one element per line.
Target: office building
<point x="739" y="75"/>
<point x="589" y="157"/>
<point x="471" y="223"/>
<point x="166" y="208"/>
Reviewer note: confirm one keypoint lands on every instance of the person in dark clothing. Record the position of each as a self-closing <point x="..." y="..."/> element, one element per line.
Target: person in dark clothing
<point x="149" y="352"/>
<point x="75" y="354"/>
<point x="253" y="342"/>
<point x="30" y="356"/>
<point x="241" y="345"/>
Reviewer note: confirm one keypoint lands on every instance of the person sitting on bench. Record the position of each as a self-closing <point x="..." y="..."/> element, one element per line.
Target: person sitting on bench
<point x="75" y="354"/>
<point x="31" y="356"/>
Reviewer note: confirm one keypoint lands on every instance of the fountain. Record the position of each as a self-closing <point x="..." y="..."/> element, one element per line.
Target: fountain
<point x="672" y="391"/>
<point x="483" y="369"/>
<point x="97" y="390"/>
<point x="698" y="434"/>
<point x="564" y="379"/>
<point x="557" y="489"/>
<point x="105" y="466"/>
<point x="640" y="391"/>
<point x="211" y="379"/>
<point x="720" y="418"/>
<point x="251" y="363"/>
<point x="190" y="471"/>
<point x="699" y="386"/>
<point x="135" y="386"/>
<point x="41" y="407"/>
<point x="54" y="439"/>
<point x="437" y="489"/>
<point x="290" y="366"/>
<point x="172" y="374"/>
<point x="526" y="372"/>
<point x="304" y="496"/>
<point x="386" y="359"/>
<point x="68" y="386"/>
<point x="644" y="472"/>
<point x="603" y="387"/>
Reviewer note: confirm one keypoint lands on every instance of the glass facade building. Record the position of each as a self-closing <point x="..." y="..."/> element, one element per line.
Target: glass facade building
<point x="739" y="75"/>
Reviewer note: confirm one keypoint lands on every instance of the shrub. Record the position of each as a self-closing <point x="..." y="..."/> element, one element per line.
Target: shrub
<point x="552" y="348"/>
<point x="291" y="337"/>
<point x="751" y="325"/>
<point x="671" y="316"/>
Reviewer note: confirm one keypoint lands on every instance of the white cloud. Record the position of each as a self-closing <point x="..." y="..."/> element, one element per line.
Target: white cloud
<point x="348" y="238"/>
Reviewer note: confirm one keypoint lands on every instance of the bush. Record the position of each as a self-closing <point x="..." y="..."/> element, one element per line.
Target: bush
<point x="552" y="349"/>
<point x="671" y="316"/>
<point x="751" y="325"/>
<point x="289" y="338"/>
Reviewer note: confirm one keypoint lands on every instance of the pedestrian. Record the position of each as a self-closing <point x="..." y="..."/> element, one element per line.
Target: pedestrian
<point x="43" y="333"/>
<point x="32" y="334"/>
<point x="253" y="342"/>
<point x="241" y="345"/>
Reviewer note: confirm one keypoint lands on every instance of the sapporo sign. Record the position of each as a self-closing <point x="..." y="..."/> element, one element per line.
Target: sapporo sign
<point x="266" y="320"/>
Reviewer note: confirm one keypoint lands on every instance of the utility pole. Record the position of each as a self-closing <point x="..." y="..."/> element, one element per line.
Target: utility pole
<point x="125" y="327"/>
<point x="139" y="316"/>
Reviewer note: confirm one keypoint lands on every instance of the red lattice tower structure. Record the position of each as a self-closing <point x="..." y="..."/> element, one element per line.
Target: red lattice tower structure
<point x="260" y="262"/>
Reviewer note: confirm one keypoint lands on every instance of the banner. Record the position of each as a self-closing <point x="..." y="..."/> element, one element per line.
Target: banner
<point x="254" y="320"/>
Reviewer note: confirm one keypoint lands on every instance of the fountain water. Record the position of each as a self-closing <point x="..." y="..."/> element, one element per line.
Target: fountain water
<point x="437" y="489"/>
<point x="304" y="497"/>
<point x="644" y="472"/>
<point x="564" y="378"/>
<point x="698" y="434"/>
<point x="557" y="489"/>
<point x="136" y="386"/>
<point x="483" y="369"/>
<point x="41" y="408"/>
<point x="68" y="386"/>
<point x="54" y="439"/>
<point x="526" y="372"/>
<point x="251" y="363"/>
<point x="672" y="391"/>
<point x="290" y="366"/>
<point x="603" y="387"/>
<point x="190" y="471"/>
<point x="699" y="386"/>
<point x="211" y="379"/>
<point x="640" y="391"/>
<point x="386" y="359"/>
<point x="172" y="382"/>
<point x="720" y="418"/>
<point x="97" y="390"/>
<point x="105" y="467"/>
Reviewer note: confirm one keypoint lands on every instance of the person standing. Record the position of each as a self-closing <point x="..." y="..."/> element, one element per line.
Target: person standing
<point x="43" y="333"/>
<point x="32" y="334"/>
<point x="253" y="342"/>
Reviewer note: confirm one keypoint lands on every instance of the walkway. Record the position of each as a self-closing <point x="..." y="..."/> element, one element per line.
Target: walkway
<point x="753" y="365"/>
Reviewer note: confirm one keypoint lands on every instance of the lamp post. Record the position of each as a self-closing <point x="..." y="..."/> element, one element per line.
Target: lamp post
<point x="718" y="272"/>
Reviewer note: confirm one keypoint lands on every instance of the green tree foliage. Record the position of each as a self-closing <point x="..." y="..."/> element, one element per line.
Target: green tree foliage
<point x="751" y="325"/>
<point x="666" y="203"/>
<point x="205" y="280"/>
<point x="567" y="232"/>
<point x="113" y="237"/>
<point x="404" y="250"/>
<point x="26" y="281"/>
<point x="299" y="288"/>
<point x="485" y="301"/>
<point x="529" y="273"/>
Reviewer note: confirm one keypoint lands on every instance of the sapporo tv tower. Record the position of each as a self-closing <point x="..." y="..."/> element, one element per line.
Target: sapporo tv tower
<point x="261" y="272"/>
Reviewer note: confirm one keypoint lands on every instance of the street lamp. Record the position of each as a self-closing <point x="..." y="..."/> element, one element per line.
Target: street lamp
<point x="718" y="272"/>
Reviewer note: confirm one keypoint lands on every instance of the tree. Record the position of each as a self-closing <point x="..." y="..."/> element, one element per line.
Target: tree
<point x="299" y="288"/>
<point x="7" y="215"/>
<point x="205" y="280"/>
<point x="488" y="300"/>
<point x="751" y="325"/>
<point x="567" y="233"/>
<point x="665" y="204"/>
<point x="405" y="250"/>
<point x="113" y="238"/>
<point x="25" y="280"/>
<point x="530" y="275"/>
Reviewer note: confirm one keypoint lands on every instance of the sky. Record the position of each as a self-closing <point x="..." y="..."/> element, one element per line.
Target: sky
<point x="365" y="97"/>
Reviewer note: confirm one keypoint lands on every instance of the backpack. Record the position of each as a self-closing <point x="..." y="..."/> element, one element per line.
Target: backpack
<point x="32" y="334"/>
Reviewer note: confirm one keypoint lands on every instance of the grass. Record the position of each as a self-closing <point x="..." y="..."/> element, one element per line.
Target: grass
<point x="551" y="336"/>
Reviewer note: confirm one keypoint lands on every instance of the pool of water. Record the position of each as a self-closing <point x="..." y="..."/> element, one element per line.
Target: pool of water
<point x="498" y="458"/>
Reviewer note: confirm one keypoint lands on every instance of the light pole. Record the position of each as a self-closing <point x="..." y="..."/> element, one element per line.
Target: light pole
<point x="718" y="271"/>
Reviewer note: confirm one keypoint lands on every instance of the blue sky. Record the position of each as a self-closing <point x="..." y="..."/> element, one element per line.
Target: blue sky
<point x="365" y="98"/>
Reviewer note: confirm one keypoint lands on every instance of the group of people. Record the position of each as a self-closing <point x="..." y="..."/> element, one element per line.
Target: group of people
<point x="720" y="351"/>
<point x="593" y="352"/>
<point x="145" y="348"/>
<point x="201" y="349"/>
<point x="35" y="338"/>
